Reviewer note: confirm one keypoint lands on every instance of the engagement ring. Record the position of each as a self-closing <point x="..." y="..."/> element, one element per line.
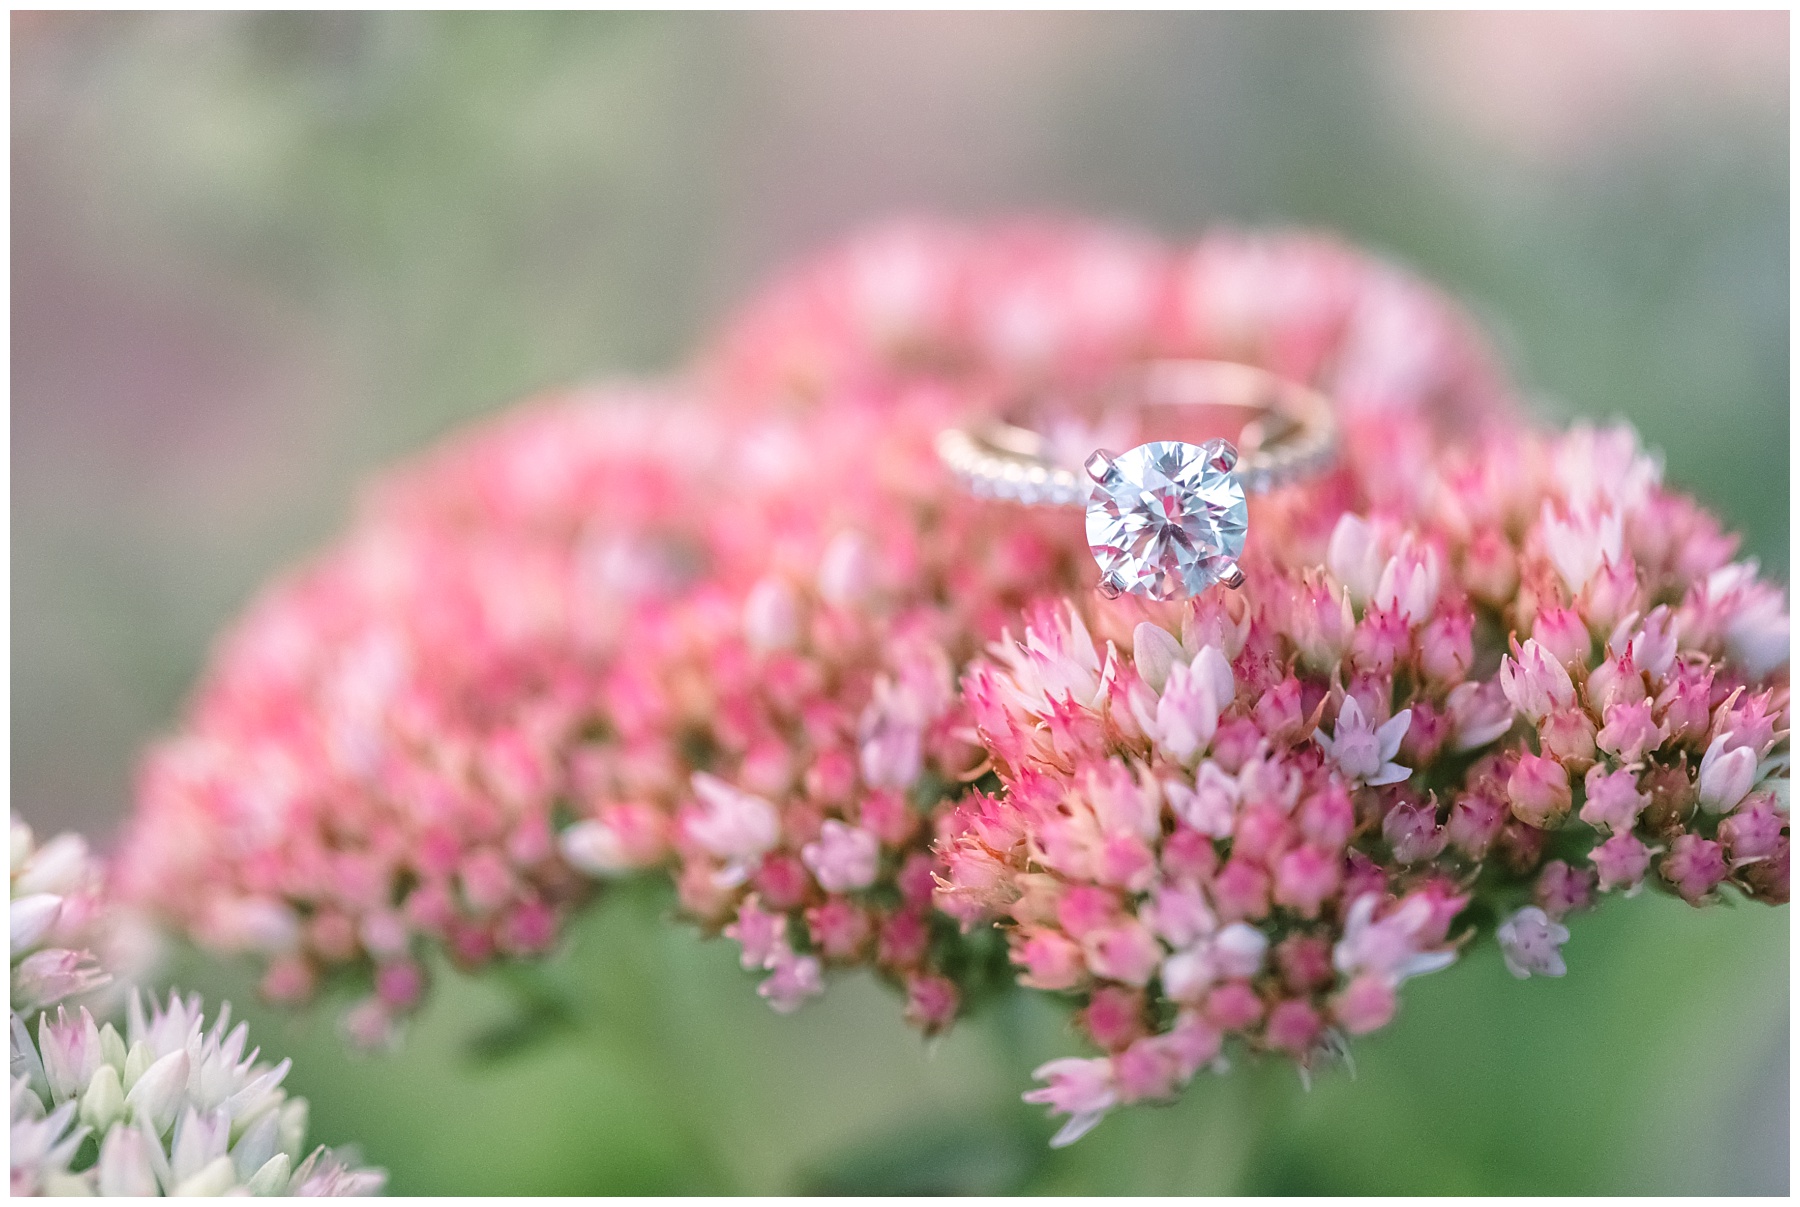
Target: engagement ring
<point x="1166" y="519"/>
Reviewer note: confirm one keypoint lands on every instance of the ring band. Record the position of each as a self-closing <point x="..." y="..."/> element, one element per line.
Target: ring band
<point x="1167" y="518"/>
<point x="1005" y="461"/>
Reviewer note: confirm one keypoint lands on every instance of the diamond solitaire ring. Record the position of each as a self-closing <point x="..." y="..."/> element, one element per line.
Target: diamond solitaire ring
<point x="1166" y="519"/>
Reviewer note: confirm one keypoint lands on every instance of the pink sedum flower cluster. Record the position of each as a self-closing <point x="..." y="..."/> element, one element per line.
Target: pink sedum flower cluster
<point x="757" y="640"/>
<point x="372" y="763"/>
<point x="1526" y="677"/>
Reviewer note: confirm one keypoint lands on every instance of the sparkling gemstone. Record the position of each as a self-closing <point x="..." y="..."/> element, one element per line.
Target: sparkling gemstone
<point x="1167" y="519"/>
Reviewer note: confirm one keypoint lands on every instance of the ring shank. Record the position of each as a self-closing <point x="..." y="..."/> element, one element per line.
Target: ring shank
<point x="1290" y="433"/>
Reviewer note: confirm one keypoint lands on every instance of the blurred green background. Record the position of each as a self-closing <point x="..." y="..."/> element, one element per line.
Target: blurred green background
<point x="257" y="256"/>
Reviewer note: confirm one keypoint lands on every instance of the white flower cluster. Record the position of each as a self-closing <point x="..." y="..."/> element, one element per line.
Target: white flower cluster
<point x="170" y="1108"/>
<point x="175" y="1108"/>
<point x="55" y="916"/>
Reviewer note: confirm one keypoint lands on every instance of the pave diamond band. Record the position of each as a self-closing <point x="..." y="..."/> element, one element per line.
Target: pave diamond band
<point x="1167" y="518"/>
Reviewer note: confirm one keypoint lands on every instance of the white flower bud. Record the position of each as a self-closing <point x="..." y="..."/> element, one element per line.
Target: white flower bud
<point x="124" y="1168"/>
<point x="31" y="919"/>
<point x="1153" y="651"/>
<point x="158" y="1092"/>
<point x="103" y="1104"/>
<point x="1726" y="776"/>
<point x="271" y="1178"/>
<point x="214" y="1180"/>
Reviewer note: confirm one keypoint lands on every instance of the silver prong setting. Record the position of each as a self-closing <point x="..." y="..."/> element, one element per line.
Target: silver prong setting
<point x="1226" y="457"/>
<point x="1232" y="576"/>
<point x="1099" y="465"/>
<point x="1110" y="588"/>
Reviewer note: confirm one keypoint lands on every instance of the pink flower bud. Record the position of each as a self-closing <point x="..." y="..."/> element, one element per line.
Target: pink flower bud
<point x="1568" y="737"/>
<point x="1293" y="1027"/>
<point x="915" y="880"/>
<point x="1409" y="582"/>
<point x="847" y="571"/>
<point x="1754" y="830"/>
<point x="1475" y="821"/>
<point x="1194" y="1042"/>
<point x="1114" y="1017"/>
<point x="1235" y="743"/>
<point x="370" y="1026"/>
<point x="1305" y="964"/>
<point x="290" y="980"/>
<point x="1413" y="833"/>
<point x="760" y="933"/>
<point x="1148" y="1069"/>
<point x="1694" y="865"/>
<point x="795" y="979"/>
<point x="1189" y="855"/>
<point x="1233" y="1006"/>
<point x="1305" y="878"/>
<point x="1685" y="703"/>
<point x="1478" y="713"/>
<point x="1426" y="736"/>
<point x="1179" y="914"/>
<point x="845" y="858"/>
<point x="1217" y="617"/>
<point x="1262" y="833"/>
<point x="771" y="616"/>
<point x="1490" y="568"/>
<point x="1520" y="846"/>
<point x="1561" y="890"/>
<point x="1746" y="720"/>
<point x="1051" y="959"/>
<point x="782" y="880"/>
<point x="1615" y="681"/>
<point x="1630" y="732"/>
<point x="1447" y="647"/>
<point x="1611" y="594"/>
<point x="400" y="985"/>
<point x="1240" y="890"/>
<point x="903" y="939"/>
<point x="1766" y="880"/>
<point x="1620" y="862"/>
<point x="1188" y="712"/>
<point x="1563" y="635"/>
<point x="1278" y="713"/>
<point x="729" y="824"/>
<point x="1655" y="643"/>
<point x="1322" y="621"/>
<point x="1535" y="682"/>
<point x="1154" y="652"/>
<point x="1538" y="791"/>
<point x="1580" y="541"/>
<point x="832" y="777"/>
<point x="1613" y="800"/>
<point x="54" y="973"/>
<point x="1327" y="818"/>
<point x="839" y="929"/>
<point x="1084" y="908"/>
<point x="529" y="928"/>
<point x="1367" y="1004"/>
<point x="1127" y="861"/>
<point x="1380" y="641"/>
<point x="1362" y="877"/>
<point x="931" y="1003"/>
<point x="1126" y="952"/>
